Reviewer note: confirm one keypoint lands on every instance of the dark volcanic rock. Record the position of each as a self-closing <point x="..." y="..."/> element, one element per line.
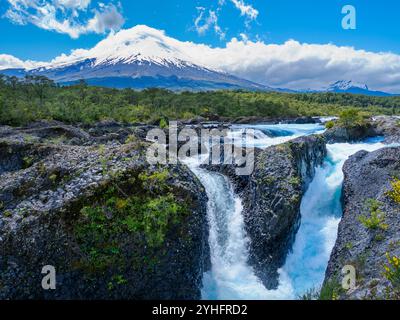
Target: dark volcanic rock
<point x="389" y="127"/>
<point x="272" y="201"/>
<point x="43" y="188"/>
<point x="339" y="134"/>
<point x="385" y="126"/>
<point x="367" y="176"/>
<point x="54" y="132"/>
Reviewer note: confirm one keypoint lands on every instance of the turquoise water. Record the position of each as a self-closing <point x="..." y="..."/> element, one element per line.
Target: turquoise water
<point x="231" y="277"/>
<point x="321" y="212"/>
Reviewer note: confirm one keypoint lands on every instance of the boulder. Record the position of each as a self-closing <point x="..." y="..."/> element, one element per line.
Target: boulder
<point x="389" y="127"/>
<point x="340" y="134"/>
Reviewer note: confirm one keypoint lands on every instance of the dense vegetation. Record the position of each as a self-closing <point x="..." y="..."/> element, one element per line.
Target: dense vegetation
<point x="144" y="206"/>
<point x="33" y="98"/>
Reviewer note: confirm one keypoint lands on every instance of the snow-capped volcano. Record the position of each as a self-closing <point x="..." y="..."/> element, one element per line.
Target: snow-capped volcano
<point x="140" y="43"/>
<point x="140" y="57"/>
<point x="348" y="86"/>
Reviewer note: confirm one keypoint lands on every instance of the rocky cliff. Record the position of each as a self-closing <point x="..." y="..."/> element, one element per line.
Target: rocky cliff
<point x="113" y="226"/>
<point x="271" y="198"/>
<point x="272" y="201"/>
<point x="370" y="228"/>
<point x="340" y="134"/>
<point x="389" y="127"/>
<point x="385" y="126"/>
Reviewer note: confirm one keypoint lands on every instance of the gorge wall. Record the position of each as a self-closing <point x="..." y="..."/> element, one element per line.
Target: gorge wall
<point x="366" y="244"/>
<point x="271" y="198"/>
<point x="113" y="226"/>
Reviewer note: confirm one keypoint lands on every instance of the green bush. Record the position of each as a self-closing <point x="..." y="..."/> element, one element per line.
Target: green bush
<point x="163" y="124"/>
<point x="376" y="218"/>
<point x="352" y="118"/>
<point x="331" y="290"/>
<point x="148" y="213"/>
<point x="330" y="124"/>
<point x="394" y="194"/>
<point x="392" y="274"/>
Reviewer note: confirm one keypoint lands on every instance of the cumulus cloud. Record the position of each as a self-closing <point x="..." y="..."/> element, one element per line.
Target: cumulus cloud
<point x="72" y="17"/>
<point x="298" y="65"/>
<point x="292" y="65"/>
<point x="7" y="61"/>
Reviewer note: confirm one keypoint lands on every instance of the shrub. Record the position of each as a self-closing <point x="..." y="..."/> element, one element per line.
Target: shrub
<point x="394" y="194"/>
<point x="163" y="123"/>
<point x="295" y="181"/>
<point x="150" y="213"/>
<point x="392" y="274"/>
<point x="131" y="139"/>
<point x="7" y="214"/>
<point x="352" y="118"/>
<point x="329" y="124"/>
<point x="376" y="218"/>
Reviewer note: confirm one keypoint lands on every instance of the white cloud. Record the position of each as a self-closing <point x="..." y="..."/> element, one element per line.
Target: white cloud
<point x="66" y="16"/>
<point x="205" y="21"/>
<point x="7" y="61"/>
<point x="109" y="18"/>
<point x="246" y="9"/>
<point x="72" y="4"/>
<point x="208" y="18"/>
<point x="291" y="65"/>
<point x="298" y="65"/>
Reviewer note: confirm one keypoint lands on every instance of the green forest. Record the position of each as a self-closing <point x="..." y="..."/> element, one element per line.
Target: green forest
<point x="34" y="98"/>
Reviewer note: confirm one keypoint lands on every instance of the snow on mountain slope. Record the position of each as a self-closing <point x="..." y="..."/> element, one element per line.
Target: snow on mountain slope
<point x="143" y="57"/>
<point x="140" y="57"/>
<point x="348" y="86"/>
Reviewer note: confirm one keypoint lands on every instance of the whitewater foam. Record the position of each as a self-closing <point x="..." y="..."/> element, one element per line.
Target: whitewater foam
<point x="231" y="277"/>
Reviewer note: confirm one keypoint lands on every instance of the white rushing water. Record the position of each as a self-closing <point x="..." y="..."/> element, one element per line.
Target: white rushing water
<point x="231" y="277"/>
<point x="321" y="212"/>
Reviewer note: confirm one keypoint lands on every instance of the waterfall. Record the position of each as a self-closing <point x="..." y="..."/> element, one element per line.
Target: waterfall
<point x="321" y="213"/>
<point x="231" y="277"/>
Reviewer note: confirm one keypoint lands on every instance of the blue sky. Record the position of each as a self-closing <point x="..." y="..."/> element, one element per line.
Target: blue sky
<point x="311" y="21"/>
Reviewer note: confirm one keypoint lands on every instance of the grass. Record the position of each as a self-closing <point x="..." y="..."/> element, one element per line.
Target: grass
<point x="330" y="290"/>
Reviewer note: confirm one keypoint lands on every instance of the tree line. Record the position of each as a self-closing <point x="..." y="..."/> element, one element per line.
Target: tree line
<point x="23" y="100"/>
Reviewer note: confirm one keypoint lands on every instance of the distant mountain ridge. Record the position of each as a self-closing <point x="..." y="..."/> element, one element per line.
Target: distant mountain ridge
<point x="348" y="86"/>
<point x="143" y="57"/>
<point x="139" y="57"/>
